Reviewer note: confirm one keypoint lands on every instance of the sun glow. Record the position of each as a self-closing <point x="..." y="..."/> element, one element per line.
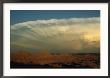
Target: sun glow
<point x="91" y="37"/>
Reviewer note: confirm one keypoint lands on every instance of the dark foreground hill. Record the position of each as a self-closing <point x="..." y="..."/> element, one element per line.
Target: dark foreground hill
<point x="48" y="60"/>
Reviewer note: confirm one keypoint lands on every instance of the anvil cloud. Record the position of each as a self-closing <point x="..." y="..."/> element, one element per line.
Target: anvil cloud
<point x="77" y="35"/>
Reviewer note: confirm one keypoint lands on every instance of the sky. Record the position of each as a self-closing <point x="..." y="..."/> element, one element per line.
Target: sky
<point x="18" y="16"/>
<point x="55" y="31"/>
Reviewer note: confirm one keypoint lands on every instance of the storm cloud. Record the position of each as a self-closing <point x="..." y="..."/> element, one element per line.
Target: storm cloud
<point x="77" y="35"/>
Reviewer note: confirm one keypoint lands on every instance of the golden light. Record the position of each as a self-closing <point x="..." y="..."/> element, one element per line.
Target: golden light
<point x="91" y="37"/>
